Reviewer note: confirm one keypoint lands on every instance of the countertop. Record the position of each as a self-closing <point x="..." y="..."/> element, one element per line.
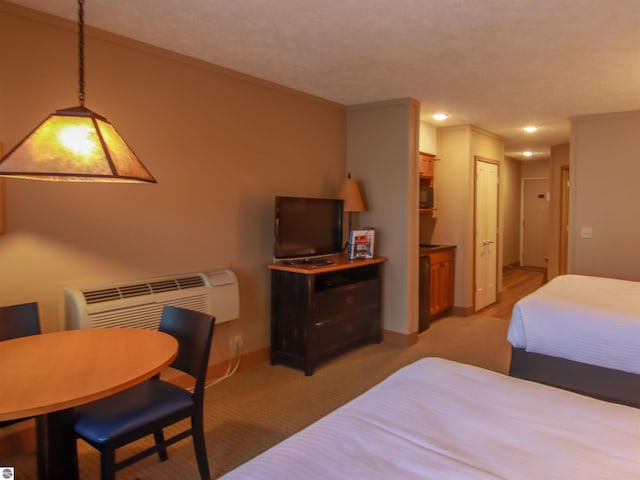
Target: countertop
<point x="337" y="262"/>
<point x="429" y="249"/>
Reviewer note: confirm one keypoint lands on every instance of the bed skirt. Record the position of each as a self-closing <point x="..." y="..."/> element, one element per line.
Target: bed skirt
<point x="598" y="382"/>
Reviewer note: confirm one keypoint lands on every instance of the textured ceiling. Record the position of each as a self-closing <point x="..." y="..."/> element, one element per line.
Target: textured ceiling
<point x="496" y="64"/>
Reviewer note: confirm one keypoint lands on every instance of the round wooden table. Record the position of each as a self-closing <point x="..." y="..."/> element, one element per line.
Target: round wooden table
<point x="47" y="375"/>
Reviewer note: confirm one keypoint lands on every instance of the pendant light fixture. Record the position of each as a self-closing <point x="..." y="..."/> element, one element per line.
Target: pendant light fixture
<point x="75" y="144"/>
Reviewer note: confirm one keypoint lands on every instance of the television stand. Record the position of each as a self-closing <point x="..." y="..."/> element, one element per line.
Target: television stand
<point x="322" y="263"/>
<point x="319" y="311"/>
<point x="314" y="262"/>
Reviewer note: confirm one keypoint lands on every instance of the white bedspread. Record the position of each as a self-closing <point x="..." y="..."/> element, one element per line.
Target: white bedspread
<point x="591" y="320"/>
<point x="437" y="419"/>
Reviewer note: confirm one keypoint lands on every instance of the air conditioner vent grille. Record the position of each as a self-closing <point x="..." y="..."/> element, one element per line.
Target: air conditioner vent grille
<point x="137" y="290"/>
<point x="102" y="295"/>
<point x="190" y="282"/>
<point x="164" y="286"/>
<point x="141" y="289"/>
<point x="145" y="316"/>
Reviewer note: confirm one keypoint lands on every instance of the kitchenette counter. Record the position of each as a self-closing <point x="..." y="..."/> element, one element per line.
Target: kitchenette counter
<point x="429" y="249"/>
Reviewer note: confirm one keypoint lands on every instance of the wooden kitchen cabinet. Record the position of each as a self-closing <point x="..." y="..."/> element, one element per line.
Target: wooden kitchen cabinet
<point x="426" y="182"/>
<point x="441" y="282"/>
<point x="426" y="164"/>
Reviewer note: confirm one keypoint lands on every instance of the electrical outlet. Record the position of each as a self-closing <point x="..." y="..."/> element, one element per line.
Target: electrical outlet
<point x="236" y="341"/>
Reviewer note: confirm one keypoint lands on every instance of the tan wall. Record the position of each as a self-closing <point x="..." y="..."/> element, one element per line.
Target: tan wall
<point x="510" y="182"/>
<point x="605" y="168"/>
<point x="535" y="168"/>
<point x="453" y="202"/>
<point x="559" y="158"/>
<point x="382" y="152"/>
<point x="220" y="144"/>
<point x="428" y="138"/>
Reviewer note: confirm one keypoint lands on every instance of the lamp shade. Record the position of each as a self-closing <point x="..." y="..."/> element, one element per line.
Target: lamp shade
<point x="75" y="144"/>
<point x="350" y="193"/>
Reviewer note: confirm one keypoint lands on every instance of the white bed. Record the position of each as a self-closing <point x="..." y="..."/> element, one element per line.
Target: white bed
<point x="437" y="419"/>
<point x="591" y="320"/>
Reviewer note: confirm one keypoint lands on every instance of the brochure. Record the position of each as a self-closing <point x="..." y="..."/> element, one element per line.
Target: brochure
<point x="361" y="243"/>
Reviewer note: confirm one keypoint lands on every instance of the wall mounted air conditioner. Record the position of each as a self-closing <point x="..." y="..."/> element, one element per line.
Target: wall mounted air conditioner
<point x="139" y="304"/>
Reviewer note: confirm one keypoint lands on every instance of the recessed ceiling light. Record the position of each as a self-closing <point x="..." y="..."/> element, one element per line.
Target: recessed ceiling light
<point x="440" y="116"/>
<point x="530" y="129"/>
<point x="527" y="153"/>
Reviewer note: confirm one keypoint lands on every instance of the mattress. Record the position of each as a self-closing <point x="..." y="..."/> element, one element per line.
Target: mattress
<point x="438" y="419"/>
<point x="587" y="319"/>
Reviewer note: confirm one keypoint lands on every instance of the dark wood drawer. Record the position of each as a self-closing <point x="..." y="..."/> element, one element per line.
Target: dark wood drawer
<point x="346" y="329"/>
<point x="347" y="299"/>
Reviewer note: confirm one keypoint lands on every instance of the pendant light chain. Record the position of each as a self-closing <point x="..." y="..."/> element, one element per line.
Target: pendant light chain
<point x="75" y="144"/>
<point x="81" y="51"/>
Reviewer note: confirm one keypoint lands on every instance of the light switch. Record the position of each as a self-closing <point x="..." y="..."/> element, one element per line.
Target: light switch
<point x="586" y="232"/>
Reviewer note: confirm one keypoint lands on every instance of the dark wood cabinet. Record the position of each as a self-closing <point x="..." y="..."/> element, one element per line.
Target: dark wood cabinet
<point x="317" y="313"/>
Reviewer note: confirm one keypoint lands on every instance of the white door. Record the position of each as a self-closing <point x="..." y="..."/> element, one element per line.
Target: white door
<point x="486" y="234"/>
<point x="535" y="222"/>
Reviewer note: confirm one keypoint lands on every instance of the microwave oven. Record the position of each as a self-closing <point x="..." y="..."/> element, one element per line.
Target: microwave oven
<point x="426" y="197"/>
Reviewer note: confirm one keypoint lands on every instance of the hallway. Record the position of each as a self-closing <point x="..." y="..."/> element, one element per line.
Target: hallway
<point x="517" y="283"/>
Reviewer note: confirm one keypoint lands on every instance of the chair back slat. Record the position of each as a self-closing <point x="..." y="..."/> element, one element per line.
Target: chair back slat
<point x="19" y="321"/>
<point x="194" y="332"/>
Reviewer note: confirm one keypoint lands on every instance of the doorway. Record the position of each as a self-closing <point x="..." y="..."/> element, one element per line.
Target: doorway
<point x="534" y="227"/>
<point x="486" y="232"/>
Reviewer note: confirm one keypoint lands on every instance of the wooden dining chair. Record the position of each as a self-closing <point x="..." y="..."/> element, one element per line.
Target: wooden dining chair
<point x="22" y="320"/>
<point x="147" y="408"/>
<point x="18" y="321"/>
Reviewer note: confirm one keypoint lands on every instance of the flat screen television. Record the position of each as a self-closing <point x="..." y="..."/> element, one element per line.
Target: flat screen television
<point x="306" y="228"/>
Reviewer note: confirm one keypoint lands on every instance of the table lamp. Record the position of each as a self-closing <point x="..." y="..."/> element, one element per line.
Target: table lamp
<point x="350" y="194"/>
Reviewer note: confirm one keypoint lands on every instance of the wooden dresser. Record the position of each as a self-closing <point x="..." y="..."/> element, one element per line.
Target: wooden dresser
<point x="320" y="311"/>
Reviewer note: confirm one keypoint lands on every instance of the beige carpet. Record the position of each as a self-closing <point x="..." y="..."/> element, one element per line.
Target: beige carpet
<point x="261" y="406"/>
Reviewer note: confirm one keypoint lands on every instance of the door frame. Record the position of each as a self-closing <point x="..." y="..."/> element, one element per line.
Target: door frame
<point x="565" y="187"/>
<point x="476" y="159"/>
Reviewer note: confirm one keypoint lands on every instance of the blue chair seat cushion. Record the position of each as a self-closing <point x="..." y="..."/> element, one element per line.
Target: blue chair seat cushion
<point x="138" y="407"/>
